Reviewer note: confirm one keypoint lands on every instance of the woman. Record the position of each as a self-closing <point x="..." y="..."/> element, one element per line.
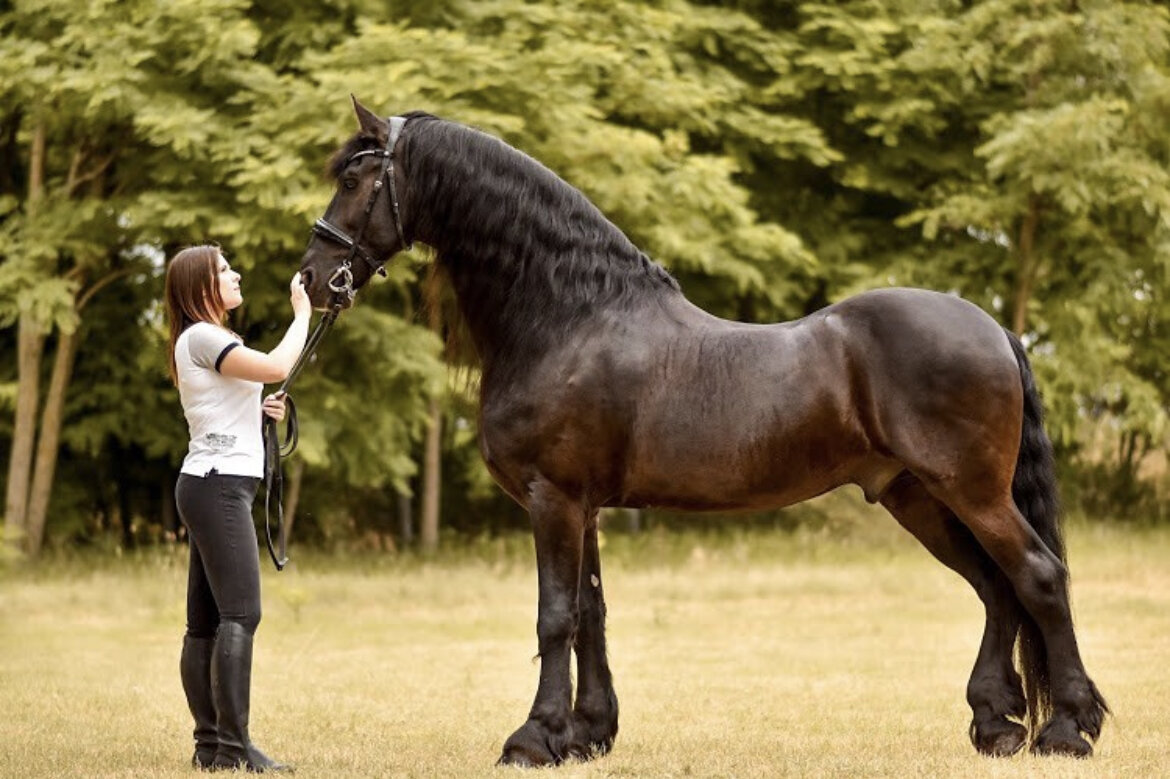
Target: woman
<point x="220" y="382"/>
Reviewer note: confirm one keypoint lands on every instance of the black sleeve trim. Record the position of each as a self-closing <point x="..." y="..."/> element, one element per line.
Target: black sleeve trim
<point x="224" y="353"/>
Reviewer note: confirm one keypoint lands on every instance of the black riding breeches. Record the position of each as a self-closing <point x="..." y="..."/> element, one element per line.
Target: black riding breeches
<point x="223" y="582"/>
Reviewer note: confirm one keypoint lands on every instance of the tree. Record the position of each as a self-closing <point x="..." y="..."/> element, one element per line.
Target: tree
<point x="115" y="131"/>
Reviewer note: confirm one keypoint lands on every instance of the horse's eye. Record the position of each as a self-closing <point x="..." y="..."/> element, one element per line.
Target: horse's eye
<point x="349" y="182"/>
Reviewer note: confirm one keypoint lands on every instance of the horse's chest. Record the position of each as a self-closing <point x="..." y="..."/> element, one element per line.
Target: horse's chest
<point x="567" y="433"/>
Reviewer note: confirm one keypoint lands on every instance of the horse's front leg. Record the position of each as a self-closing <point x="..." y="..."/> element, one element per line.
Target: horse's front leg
<point x="558" y="526"/>
<point x="595" y="713"/>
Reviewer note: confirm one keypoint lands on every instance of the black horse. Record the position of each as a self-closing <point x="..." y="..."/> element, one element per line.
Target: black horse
<point x="603" y="386"/>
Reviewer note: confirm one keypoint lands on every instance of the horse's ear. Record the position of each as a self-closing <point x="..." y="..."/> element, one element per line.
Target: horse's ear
<point x="371" y="124"/>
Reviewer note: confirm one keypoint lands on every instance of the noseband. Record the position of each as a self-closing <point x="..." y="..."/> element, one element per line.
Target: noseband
<point x="341" y="281"/>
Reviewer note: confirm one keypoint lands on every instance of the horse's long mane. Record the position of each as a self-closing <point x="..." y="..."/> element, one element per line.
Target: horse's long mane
<point x="529" y="256"/>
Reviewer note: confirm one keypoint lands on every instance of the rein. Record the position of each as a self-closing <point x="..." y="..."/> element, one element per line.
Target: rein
<point x="274" y="450"/>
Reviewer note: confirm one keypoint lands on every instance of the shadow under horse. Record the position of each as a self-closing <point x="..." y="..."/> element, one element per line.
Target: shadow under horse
<point x="602" y="385"/>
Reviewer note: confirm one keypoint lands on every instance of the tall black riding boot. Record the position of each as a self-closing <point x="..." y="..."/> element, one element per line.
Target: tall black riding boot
<point x="231" y="681"/>
<point x="195" y="671"/>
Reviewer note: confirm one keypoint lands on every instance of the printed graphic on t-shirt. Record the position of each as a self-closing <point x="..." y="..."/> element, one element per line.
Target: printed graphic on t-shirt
<point x="220" y="442"/>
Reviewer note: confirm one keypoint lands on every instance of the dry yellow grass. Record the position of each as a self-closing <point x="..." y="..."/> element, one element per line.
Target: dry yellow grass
<point x="759" y="655"/>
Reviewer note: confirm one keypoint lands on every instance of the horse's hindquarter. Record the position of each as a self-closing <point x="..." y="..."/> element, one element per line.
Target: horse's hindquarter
<point x="938" y="387"/>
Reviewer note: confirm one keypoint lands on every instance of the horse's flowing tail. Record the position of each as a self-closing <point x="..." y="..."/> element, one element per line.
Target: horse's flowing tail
<point x="1036" y="495"/>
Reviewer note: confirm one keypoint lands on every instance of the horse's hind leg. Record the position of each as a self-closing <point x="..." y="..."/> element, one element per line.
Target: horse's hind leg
<point x="994" y="691"/>
<point x="1040" y="581"/>
<point x="595" y="714"/>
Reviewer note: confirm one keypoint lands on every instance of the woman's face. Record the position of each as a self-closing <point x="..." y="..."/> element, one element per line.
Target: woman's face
<point x="229" y="285"/>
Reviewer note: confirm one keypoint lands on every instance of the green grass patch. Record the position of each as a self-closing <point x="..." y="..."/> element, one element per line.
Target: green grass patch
<point x="746" y="653"/>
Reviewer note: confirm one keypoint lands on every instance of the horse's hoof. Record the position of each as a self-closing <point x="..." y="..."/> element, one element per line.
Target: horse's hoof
<point x="529" y="747"/>
<point x="592" y="737"/>
<point x="1061" y="737"/>
<point x="998" y="738"/>
<point x="523" y="758"/>
<point x="1073" y="747"/>
<point x="583" y="751"/>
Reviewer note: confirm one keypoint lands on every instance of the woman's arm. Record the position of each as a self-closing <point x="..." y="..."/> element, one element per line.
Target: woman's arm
<point x="252" y="365"/>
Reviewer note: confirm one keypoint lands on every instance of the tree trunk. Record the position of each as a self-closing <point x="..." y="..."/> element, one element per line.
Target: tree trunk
<point x="429" y="525"/>
<point x="1028" y="267"/>
<point x="429" y="521"/>
<point x="30" y="344"/>
<point x="296" y="475"/>
<point x="405" y="520"/>
<point x="48" y="442"/>
<point x="125" y="508"/>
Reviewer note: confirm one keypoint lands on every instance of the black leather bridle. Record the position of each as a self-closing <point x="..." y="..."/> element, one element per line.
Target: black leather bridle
<point x="341" y="280"/>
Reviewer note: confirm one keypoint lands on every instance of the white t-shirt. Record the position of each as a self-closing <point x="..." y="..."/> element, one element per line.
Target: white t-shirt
<point x="223" y="413"/>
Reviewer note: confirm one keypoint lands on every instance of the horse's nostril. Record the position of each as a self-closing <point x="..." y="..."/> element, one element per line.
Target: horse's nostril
<point x="307" y="277"/>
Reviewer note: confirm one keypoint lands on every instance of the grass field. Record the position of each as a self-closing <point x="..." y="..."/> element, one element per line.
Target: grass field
<point x="750" y="655"/>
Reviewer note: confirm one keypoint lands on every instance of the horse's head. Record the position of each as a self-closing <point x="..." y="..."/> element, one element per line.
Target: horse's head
<point x="362" y="227"/>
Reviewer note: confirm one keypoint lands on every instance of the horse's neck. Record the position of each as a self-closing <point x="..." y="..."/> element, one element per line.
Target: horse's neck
<point x="479" y="279"/>
<point x="527" y="263"/>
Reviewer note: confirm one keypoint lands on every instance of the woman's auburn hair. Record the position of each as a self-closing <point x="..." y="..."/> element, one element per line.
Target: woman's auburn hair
<point x="192" y="295"/>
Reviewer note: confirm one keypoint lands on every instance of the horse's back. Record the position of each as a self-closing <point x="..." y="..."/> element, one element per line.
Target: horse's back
<point x="895" y="315"/>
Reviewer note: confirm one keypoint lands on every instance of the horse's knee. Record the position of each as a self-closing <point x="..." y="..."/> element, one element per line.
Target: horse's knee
<point x="556" y="626"/>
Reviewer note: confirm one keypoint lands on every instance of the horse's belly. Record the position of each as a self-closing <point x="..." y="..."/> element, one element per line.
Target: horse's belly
<point x="762" y="470"/>
<point x="683" y="496"/>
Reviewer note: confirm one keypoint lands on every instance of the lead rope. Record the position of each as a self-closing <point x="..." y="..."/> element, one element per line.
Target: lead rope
<point x="274" y="450"/>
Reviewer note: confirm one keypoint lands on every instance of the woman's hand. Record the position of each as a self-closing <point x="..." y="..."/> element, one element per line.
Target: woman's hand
<point x="273" y="406"/>
<point x="298" y="297"/>
<point x="252" y="365"/>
